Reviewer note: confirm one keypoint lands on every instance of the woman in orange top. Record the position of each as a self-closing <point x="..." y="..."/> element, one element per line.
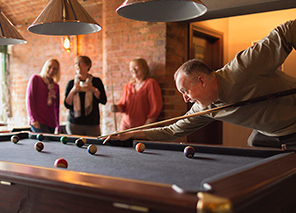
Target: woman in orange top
<point x="141" y="100"/>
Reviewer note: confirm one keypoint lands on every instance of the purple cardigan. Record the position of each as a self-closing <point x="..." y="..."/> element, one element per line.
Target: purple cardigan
<point x="38" y="110"/>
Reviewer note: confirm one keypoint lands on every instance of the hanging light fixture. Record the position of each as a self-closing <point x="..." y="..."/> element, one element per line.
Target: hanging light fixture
<point x="64" y="17"/>
<point x="161" y="10"/>
<point x="8" y="33"/>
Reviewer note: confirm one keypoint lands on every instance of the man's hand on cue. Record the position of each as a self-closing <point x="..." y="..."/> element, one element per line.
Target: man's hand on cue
<point x="121" y="137"/>
<point x="139" y="134"/>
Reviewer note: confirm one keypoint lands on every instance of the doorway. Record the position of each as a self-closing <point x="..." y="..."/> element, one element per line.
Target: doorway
<point x="206" y="45"/>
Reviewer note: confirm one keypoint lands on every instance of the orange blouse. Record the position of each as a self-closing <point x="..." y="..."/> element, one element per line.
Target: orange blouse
<point x="139" y="105"/>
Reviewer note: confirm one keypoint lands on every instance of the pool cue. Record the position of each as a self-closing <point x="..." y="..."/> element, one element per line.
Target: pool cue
<point x="112" y="94"/>
<point x="226" y="106"/>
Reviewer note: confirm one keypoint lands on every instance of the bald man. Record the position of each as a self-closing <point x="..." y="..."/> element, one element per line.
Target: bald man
<point x="252" y="73"/>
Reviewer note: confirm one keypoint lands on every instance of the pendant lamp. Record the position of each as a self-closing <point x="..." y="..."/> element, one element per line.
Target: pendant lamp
<point x="8" y="33"/>
<point x="64" y="17"/>
<point x="161" y="10"/>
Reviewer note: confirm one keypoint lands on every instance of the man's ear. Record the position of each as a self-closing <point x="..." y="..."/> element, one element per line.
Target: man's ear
<point x="201" y="80"/>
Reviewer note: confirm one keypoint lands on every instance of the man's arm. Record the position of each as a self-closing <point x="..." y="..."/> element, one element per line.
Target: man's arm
<point x="268" y="53"/>
<point x="138" y="134"/>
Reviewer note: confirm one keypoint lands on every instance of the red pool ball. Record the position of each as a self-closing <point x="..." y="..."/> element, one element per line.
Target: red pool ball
<point x="189" y="151"/>
<point x="61" y="163"/>
<point x="140" y="147"/>
<point x="39" y="146"/>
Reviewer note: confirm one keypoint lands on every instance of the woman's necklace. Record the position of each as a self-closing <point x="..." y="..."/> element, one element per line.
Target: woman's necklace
<point x="138" y="85"/>
<point x="47" y="80"/>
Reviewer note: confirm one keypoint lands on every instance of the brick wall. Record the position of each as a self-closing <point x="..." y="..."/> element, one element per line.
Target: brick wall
<point x="163" y="45"/>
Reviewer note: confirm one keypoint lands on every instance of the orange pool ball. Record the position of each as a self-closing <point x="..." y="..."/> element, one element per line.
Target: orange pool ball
<point x="140" y="147"/>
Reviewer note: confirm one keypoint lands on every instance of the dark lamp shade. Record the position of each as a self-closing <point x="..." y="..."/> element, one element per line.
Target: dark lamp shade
<point x="161" y="10"/>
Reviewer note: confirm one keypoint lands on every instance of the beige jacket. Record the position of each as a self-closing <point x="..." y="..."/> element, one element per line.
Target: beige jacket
<point x="252" y="73"/>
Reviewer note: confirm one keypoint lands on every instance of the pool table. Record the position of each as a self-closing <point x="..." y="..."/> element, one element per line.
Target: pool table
<point x="117" y="178"/>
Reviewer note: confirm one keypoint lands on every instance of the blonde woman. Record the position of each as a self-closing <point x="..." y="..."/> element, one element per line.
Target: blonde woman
<point x="141" y="100"/>
<point x="43" y="98"/>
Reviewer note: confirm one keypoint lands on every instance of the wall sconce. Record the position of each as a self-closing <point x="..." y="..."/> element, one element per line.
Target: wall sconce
<point x="66" y="43"/>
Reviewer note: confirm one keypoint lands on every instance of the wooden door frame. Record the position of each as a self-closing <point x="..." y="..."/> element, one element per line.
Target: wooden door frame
<point x="217" y="44"/>
<point x="207" y="32"/>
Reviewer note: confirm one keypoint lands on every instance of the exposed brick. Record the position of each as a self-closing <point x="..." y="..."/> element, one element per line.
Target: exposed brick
<point x="163" y="45"/>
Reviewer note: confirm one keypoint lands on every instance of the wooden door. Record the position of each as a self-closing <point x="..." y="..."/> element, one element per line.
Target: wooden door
<point x="206" y="45"/>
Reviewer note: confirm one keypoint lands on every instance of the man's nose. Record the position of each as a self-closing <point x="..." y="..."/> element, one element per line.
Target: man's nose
<point x="186" y="98"/>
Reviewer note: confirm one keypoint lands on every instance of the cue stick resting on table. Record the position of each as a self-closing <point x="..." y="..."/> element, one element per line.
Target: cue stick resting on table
<point x="226" y="106"/>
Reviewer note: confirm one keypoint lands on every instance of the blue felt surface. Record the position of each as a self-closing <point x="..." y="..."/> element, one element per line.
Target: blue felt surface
<point x="154" y="165"/>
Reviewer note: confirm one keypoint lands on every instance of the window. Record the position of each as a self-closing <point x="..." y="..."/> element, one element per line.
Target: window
<point x="4" y="87"/>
